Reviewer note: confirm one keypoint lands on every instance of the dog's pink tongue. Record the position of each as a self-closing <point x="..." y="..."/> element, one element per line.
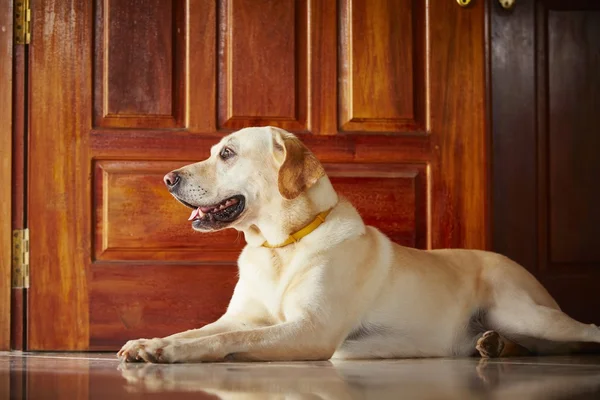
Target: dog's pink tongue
<point x="196" y="213"/>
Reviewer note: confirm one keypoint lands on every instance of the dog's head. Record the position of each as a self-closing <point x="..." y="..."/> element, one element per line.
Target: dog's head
<point x="249" y="172"/>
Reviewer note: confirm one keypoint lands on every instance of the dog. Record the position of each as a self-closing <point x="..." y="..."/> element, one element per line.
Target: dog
<point x="316" y="283"/>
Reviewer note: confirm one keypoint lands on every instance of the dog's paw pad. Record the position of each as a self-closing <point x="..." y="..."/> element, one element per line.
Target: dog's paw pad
<point x="490" y="345"/>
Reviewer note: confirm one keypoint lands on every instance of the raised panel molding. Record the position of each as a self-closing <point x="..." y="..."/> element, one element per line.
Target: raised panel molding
<point x="381" y="66"/>
<point x="158" y="230"/>
<point x="194" y="295"/>
<point x="570" y="169"/>
<point x="392" y="197"/>
<point x="139" y="64"/>
<point x="263" y="64"/>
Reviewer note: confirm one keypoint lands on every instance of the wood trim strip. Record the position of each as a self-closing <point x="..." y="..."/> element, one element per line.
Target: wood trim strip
<point x="58" y="308"/>
<point x="456" y="89"/>
<point x="182" y="145"/>
<point x="19" y="216"/>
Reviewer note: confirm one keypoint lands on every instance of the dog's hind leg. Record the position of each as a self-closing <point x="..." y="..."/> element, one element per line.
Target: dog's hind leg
<point x="516" y="318"/>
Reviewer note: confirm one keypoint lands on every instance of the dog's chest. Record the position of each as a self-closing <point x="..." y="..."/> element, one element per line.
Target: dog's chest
<point x="270" y="275"/>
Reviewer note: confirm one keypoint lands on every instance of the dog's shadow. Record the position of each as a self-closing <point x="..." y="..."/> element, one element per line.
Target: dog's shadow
<point x="427" y="378"/>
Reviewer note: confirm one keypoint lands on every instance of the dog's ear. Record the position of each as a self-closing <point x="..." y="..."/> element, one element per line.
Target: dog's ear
<point x="299" y="167"/>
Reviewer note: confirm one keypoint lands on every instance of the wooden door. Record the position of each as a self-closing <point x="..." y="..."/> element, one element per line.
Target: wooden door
<point x="389" y="94"/>
<point x="546" y="140"/>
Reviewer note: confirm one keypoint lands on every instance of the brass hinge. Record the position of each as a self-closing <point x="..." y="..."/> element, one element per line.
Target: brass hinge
<point x="22" y="22"/>
<point x="20" y="259"/>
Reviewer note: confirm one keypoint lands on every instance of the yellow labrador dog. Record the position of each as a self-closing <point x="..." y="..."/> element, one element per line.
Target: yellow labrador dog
<point x="316" y="283"/>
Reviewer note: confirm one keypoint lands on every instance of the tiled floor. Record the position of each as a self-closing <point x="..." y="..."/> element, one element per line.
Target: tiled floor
<point x="100" y="376"/>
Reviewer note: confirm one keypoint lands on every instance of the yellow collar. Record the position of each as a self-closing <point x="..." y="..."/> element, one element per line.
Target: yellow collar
<point x="295" y="237"/>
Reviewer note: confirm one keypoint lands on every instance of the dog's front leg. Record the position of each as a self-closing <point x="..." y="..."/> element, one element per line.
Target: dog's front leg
<point x="289" y="341"/>
<point x="243" y="313"/>
<point x="224" y="324"/>
<point x="131" y="350"/>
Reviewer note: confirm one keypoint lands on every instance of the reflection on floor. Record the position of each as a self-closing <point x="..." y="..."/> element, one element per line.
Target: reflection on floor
<point x="99" y="376"/>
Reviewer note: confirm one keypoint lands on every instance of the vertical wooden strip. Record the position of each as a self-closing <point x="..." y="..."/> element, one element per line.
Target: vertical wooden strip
<point x="513" y="149"/>
<point x="201" y="66"/>
<point x="19" y="216"/>
<point x="18" y="186"/>
<point x="457" y="115"/>
<point x="6" y="63"/>
<point x="322" y="30"/>
<point x="60" y="171"/>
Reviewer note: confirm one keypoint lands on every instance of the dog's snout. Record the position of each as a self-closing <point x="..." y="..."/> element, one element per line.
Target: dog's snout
<point x="171" y="179"/>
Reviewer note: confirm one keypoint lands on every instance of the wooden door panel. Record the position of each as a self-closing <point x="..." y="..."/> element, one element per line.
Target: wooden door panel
<point x="153" y="300"/>
<point x="545" y="146"/>
<point x="263" y="63"/>
<point x="381" y="66"/>
<point x="573" y="138"/>
<point x="390" y="197"/>
<point x="131" y="300"/>
<point x="156" y="84"/>
<point x="137" y="219"/>
<point x="139" y="64"/>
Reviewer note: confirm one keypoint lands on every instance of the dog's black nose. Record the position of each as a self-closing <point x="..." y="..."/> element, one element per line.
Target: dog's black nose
<point x="171" y="179"/>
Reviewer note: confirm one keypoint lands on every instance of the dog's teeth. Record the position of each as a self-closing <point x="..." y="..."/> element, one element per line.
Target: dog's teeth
<point x="197" y="213"/>
<point x="193" y="215"/>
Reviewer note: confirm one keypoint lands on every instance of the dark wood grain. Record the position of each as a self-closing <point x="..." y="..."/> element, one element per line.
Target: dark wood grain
<point x="545" y="134"/>
<point x="19" y="142"/>
<point x="574" y="137"/>
<point x="59" y="184"/>
<point x="139" y="63"/>
<point x="17" y="319"/>
<point x="513" y="168"/>
<point x="19" y="183"/>
<point x="263" y="65"/>
<point x="6" y="83"/>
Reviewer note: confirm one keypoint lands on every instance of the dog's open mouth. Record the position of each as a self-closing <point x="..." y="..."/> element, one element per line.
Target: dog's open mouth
<point x="226" y="211"/>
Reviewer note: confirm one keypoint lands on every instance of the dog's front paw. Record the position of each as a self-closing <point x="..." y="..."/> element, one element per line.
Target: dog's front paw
<point x="149" y="350"/>
<point x="130" y="351"/>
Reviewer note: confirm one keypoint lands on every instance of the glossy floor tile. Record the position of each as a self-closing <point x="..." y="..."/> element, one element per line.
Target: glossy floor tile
<point x="101" y="376"/>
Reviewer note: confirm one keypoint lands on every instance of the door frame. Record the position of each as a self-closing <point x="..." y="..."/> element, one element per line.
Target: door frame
<point x="6" y="142"/>
<point x="13" y="157"/>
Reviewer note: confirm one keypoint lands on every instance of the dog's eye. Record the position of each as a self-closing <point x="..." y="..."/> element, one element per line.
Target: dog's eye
<point x="226" y="153"/>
